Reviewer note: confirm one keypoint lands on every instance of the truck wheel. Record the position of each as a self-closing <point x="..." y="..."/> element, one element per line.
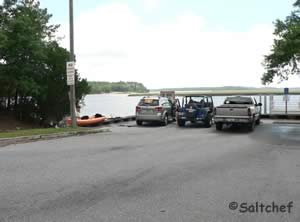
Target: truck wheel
<point x="208" y="121"/>
<point x="219" y="126"/>
<point x="165" y="120"/>
<point x="180" y="123"/>
<point x="251" y="126"/>
<point x="257" y="121"/>
<point x="139" y="122"/>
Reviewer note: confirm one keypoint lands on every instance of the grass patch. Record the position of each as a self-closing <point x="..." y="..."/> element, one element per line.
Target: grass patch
<point x="33" y="132"/>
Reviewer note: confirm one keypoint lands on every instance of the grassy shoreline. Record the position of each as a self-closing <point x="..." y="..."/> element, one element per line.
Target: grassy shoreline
<point x="35" y="132"/>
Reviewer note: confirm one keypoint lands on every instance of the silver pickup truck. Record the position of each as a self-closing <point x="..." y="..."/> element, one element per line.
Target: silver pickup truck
<point x="238" y="110"/>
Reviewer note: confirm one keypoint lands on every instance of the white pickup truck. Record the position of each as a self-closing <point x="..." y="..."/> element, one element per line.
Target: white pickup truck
<point x="238" y="110"/>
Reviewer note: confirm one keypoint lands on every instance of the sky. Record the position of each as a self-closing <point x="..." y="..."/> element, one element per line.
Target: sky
<point x="172" y="43"/>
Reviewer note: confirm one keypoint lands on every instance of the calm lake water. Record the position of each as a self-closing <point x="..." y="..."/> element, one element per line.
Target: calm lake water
<point x="109" y="104"/>
<point x="117" y="104"/>
<point x="122" y="105"/>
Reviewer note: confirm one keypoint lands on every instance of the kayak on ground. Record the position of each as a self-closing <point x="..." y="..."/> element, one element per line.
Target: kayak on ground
<point x="88" y="120"/>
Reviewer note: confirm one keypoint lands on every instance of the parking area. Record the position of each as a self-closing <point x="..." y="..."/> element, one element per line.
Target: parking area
<point x="153" y="173"/>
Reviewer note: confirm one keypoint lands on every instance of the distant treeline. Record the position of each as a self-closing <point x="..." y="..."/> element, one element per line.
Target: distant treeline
<point x="208" y="88"/>
<point x="107" y="87"/>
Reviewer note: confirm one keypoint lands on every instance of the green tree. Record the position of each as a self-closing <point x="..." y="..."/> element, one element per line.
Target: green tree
<point x="25" y="27"/>
<point x="283" y="60"/>
<point x="53" y="100"/>
<point x="32" y="64"/>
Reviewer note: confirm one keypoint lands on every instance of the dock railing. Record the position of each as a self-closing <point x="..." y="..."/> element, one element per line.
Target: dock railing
<point x="274" y="102"/>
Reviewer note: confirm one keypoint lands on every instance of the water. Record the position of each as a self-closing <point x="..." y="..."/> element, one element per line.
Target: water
<point x="117" y="104"/>
<point x="109" y="104"/>
<point x="122" y="105"/>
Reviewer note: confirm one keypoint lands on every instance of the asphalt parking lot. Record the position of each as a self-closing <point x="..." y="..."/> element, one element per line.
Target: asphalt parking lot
<point x="154" y="174"/>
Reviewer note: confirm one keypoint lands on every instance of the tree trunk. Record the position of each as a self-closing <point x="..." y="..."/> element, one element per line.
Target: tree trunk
<point x="8" y="103"/>
<point x="16" y="101"/>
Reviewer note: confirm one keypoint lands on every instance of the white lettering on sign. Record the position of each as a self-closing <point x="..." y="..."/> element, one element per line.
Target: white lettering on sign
<point x="286" y="98"/>
<point x="70" y="73"/>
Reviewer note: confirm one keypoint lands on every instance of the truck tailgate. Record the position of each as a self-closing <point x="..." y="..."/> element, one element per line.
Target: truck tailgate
<point x="232" y="110"/>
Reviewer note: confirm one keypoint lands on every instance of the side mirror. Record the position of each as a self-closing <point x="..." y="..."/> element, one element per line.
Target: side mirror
<point x="259" y="104"/>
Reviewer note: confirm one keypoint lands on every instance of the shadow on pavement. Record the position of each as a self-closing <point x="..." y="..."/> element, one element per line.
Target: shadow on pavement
<point x="237" y="129"/>
<point x="278" y="134"/>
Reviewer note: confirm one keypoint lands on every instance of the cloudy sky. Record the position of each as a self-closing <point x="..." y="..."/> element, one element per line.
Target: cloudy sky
<point x="172" y="43"/>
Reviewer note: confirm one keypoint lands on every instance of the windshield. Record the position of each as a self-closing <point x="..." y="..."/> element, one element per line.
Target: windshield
<point x="238" y="100"/>
<point x="149" y="102"/>
<point x="197" y="99"/>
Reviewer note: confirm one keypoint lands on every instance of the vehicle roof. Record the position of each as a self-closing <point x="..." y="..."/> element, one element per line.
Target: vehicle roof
<point x="239" y="97"/>
<point x="196" y="96"/>
<point x="154" y="97"/>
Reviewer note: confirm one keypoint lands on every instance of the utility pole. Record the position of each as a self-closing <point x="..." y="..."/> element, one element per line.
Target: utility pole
<point x="72" y="58"/>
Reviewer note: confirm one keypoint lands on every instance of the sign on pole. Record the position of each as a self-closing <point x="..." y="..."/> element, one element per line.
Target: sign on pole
<point x="286" y="99"/>
<point x="286" y="94"/>
<point x="70" y="73"/>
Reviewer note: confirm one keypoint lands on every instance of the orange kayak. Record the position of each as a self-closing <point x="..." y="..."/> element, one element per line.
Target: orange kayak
<point x="91" y="121"/>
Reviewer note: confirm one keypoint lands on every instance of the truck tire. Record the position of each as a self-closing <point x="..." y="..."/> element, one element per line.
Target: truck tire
<point x="251" y="126"/>
<point x="219" y="126"/>
<point x="257" y="121"/>
<point x="208" y="121"/>
<point x="180" y="123"/>
<point x="139" y="122"/>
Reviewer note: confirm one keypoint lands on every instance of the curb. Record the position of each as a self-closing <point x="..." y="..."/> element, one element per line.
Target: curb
<point x="26" y="139"/>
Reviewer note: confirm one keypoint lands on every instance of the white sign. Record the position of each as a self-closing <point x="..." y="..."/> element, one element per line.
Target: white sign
<point x="70" y="80"/>
<point x="70" y="73"/>
<point x="286" y="98"/>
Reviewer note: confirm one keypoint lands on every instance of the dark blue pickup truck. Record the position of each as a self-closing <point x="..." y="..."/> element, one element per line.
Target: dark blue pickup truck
<point x="195" y="109"/>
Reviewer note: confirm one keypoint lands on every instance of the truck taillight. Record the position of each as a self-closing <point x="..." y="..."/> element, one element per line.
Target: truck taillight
<point x="138" y="109"/>
<point x="158" y="109"/>
<point x="249" y="112"/>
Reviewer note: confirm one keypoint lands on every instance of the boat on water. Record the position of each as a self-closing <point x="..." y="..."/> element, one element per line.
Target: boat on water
<point x="88" y="120"/>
